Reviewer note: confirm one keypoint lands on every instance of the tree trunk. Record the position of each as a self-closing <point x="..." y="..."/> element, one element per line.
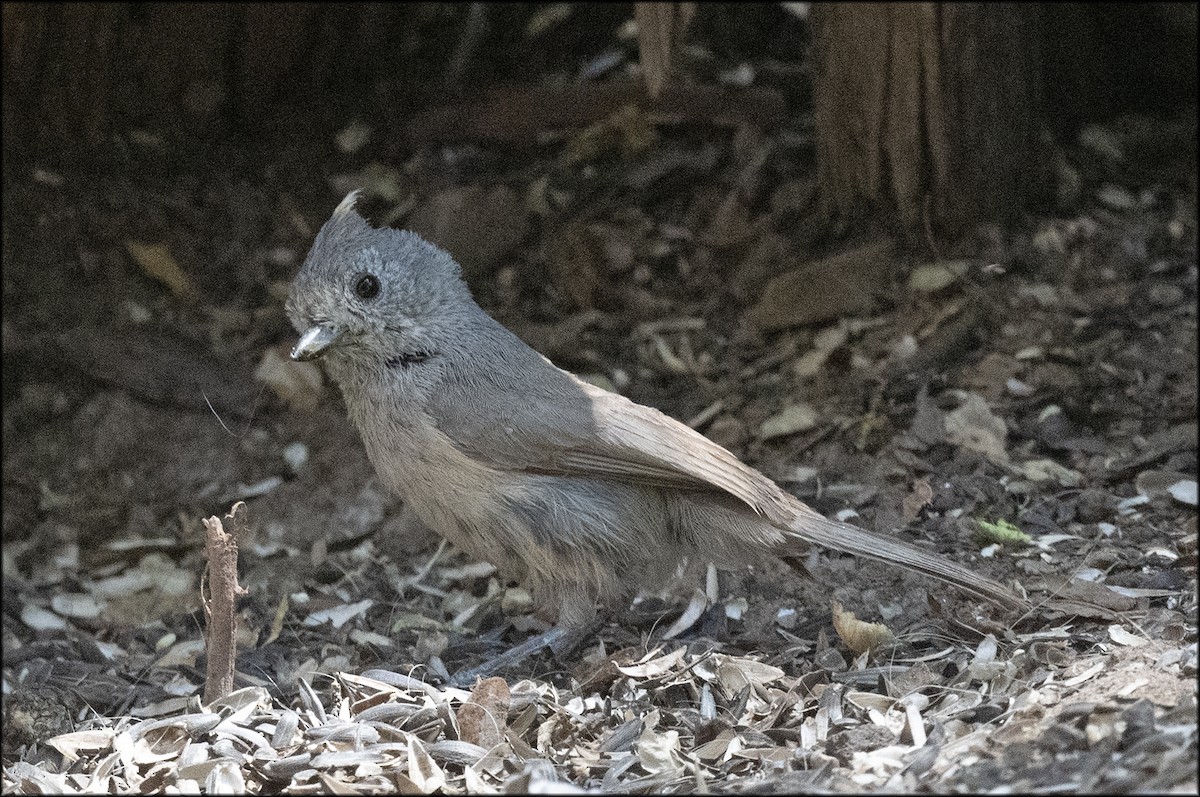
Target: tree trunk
<point x="928" y="112"/>
<point x="75" y="73"/>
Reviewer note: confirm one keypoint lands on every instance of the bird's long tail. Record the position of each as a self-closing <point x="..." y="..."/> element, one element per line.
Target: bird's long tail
<point x="817" y="529"/>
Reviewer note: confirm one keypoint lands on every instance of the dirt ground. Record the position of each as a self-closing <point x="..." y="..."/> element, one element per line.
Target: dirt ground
<point x="1024" y="403"/>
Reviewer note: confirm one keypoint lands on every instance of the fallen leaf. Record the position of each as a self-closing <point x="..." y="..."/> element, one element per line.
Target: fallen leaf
<point x="73" y="745"/>
<point x="973" y="426"/>
<point x="156" y="261"/>
<point x="353" y="137"/>
<point x="1002" y="532"/>
<point x="1122" y="637"/>
<point x="695" y="608"/>
<point x="1040" y="470"/>
<point x="791" y="419"/>
<point x="339" y="615"/>
<point x="736" y="673"/>
<point x="483" y="718"/>
<point x="1086" y="675"/>
<point x="40" y="619"/>
<point x="1158" y="482"/>
<point x="374" y="179"/>
<point x="659" y="752"/>
<point x="991" y="375"/>
<point x="932" y="277"/>
<point x="653" y="667"/>
<point x="858" y="635"/>
<point x="76" y="604"/>
<point x="422" y="769"/>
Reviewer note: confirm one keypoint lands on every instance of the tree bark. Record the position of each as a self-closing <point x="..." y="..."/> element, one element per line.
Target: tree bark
<point x="928" y="112"/>
<point x="76" y="73"/>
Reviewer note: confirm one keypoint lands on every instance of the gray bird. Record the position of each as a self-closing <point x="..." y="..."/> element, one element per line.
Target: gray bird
<point x="578" y="492"/>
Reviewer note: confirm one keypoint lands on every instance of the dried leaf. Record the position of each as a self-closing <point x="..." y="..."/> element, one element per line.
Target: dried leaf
<point x="695" y="608"/>
<point x="374" y="179"/>
<point x="737" y="673"/>
<point x="974" y="427"/>
<point x="1086" y="675"/>
<point x="1123" y="637"/>
<point x="547" y="16"/>
<point x="736" y="608"/>
<point x="991" y="375"/>
<point x="858" y="635"/>
<point x="76" y="604"/>
<point x="1040" y="470"/>
<point x="932" y="277"/>
<point x="339" y="615"/>
<point x="353" y="137"/>
<point x="40" y="619"/>
<point x="658" y="752"/>
<point x="791" y="419"/>
<point x="156" y="261"/>
<point x="91" y="742"/>
<point x="483" y="718"/>
<point x="917" y="499"/>
<point x="654" y="667"/>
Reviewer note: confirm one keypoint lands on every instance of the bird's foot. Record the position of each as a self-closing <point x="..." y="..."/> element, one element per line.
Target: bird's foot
<point x="559" y="640"/>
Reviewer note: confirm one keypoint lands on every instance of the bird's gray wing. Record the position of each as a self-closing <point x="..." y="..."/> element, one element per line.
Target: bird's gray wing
<point x="533" y="417"/>
<point x="548" y="421"/>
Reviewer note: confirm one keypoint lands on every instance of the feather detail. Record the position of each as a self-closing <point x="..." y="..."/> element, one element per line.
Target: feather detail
<point x="347" y="204"/>
<point x="563" y="426"/>
<point x="814" y="528"/>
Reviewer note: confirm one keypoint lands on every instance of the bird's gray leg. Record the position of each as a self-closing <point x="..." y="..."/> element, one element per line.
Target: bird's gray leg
<point x="560" y="639"/>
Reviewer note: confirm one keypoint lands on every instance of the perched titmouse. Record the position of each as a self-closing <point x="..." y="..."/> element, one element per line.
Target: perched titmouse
<point x="579" y="492"/>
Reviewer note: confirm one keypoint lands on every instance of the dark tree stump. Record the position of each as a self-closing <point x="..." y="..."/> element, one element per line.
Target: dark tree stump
<point x="928" y="112"/>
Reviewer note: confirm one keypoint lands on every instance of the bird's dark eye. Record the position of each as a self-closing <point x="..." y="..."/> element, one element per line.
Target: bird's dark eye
<point x="366" y="286"/>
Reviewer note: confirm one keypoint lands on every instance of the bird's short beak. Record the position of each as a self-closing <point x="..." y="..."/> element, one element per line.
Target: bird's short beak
<point x="315" y="341"/>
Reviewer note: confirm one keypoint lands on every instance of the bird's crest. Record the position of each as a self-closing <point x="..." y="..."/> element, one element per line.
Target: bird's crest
<point x="347" y="204"/>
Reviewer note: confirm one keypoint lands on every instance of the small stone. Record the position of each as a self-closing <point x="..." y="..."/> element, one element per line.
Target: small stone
<point x="859" y="739"/>
<point x="295" y="455"/>
<point x="1184" y="491"/>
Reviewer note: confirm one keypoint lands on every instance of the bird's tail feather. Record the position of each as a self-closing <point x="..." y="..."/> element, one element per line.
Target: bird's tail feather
<point x="843" y="537"/>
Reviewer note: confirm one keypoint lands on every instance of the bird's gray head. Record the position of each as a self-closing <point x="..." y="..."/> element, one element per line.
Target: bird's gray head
<point x="374" y="297"/>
